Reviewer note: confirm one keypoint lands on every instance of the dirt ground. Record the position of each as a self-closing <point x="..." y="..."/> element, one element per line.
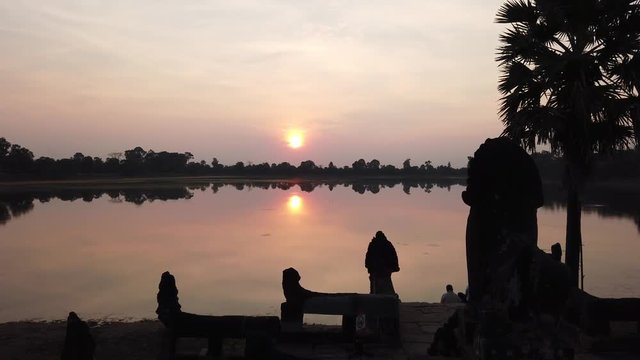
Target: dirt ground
<point x="27" y="340"/>
<point x="114" y="340"/>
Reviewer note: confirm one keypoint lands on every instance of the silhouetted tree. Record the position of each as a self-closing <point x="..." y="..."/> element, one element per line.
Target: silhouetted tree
<point x="117" y="155"/>
<point x="112" y="165"/>
<point x="284" y="169"/>
<point x="307" y="166"/>
<point x="87" y="164"/>
<point x="169" y="162"/>
<point x="215" y="165"/>
<point x="238" y="167"/>
<point x="563" y="84"/>
<point x="406" y="165"/>
<point x="4" y="152"/>
<point x="550" y="166"/>
<point x="373" y="165"/>
<point x="4" y="147"/>
<point x="135" y="155"/>
<point x="15" y="159"/>
<point x="18" y="159"/>
<point x="45" y="166"/>
<point x="429" y="169"/>
<point x="359" y="165"/>
<point x="331" y="169"/>
<point x="389" y="169"/>
<point x="134" y="160"/>
<point x="625" y="164"/>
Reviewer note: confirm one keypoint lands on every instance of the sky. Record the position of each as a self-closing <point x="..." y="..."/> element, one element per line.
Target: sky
<point x="371" y="79"/>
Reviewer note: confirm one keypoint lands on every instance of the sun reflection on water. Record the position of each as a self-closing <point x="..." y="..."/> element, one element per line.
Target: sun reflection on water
<point x="294" y="204"/>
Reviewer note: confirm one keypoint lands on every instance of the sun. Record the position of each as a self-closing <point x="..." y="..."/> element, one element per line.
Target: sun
<point x="295" y="139"/>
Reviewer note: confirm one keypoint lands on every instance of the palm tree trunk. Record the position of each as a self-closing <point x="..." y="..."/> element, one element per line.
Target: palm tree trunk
<point x="635" y="118"/>
<point x="574" y="234"/>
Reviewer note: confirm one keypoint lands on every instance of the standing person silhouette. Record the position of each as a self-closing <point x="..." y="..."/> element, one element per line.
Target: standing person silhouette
<point x="381" y="260"/>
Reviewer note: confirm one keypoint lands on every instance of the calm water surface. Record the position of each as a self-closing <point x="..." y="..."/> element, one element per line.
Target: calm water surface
<point x="227" y="249"/>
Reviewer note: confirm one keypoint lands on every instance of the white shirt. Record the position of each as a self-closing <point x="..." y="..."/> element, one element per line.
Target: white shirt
<point x="450" y="298"/>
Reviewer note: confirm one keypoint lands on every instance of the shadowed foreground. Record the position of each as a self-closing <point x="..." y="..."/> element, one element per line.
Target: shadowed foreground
<point x="142" y="339"/>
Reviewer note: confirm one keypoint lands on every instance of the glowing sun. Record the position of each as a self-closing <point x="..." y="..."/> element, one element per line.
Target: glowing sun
<point x="295" y="139"/>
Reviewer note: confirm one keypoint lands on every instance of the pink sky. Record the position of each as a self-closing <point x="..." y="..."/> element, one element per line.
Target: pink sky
<point x="363" y="79"/>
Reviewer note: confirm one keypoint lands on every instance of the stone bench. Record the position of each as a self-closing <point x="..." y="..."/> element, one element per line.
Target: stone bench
<point x="385" y="309"/>
<point x="259" y="331"/>
<point x="354" y="304"/>
<point x="347" y="305"/>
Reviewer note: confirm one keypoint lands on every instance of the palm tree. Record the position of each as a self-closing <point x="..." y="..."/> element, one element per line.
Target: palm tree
<point x="570" y="71"/>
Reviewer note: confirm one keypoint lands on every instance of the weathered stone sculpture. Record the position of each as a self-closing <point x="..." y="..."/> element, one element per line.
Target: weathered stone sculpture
<point x="169" y="308"/>
<point x="504" y="192"/>
<point x="504" y="264"/>
<point x="511" y="281"/>
<point x="78" y="342"/>
<point x="295" y="295"/>
<point x="258" y="330"/>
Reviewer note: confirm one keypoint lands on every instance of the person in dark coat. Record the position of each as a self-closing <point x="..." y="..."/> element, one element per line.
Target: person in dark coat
<point x="381" y="261"/>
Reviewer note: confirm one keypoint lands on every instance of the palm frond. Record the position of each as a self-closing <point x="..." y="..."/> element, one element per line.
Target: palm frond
<point x="535" y="125"/>
<point x="627" y="72"/>
<point x="554" y="13"/>
<point x="515" y="75"/>
<point x="544" y="34"/>
<point x="570" y="74"/>
<point x="607" y="136"/>
<point x="519" y="44"/>
<point x="517" y="11"/>
<point x="618" y="110"/>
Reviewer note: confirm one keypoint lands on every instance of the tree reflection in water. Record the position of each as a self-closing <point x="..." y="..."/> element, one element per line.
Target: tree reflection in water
<point x="607" y="202"/>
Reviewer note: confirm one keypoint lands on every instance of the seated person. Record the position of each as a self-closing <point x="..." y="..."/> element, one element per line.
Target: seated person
<point x="450" y="297"/>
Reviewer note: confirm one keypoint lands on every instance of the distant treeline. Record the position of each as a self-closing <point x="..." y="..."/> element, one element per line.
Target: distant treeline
<point x="619" y="165"/>
<point x="17" y="162"/>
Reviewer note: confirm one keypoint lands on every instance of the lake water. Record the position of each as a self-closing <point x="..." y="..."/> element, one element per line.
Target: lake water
<point x="103" y="257"/>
